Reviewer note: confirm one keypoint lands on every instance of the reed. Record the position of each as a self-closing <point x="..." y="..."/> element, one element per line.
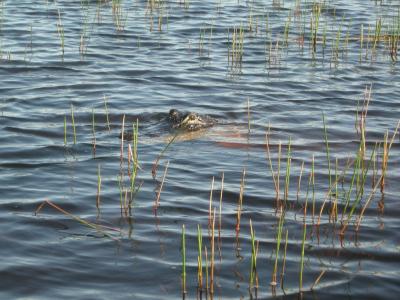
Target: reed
<point x="378" y="183"/>
<point x="253" y="260"/>
<point x="336" y="48"/>
<point x="313" y="185"/>
<point x="299" y="181"/>
<point x="377" y="34"/>
<point x="274" y="280"/>
<point x="302" y="248"/>
<point x="240" y="205"/>
<point x="135" y="159"/>
<point x="121" y="201"/>
<point x="287" y="28"/>
<point x="199" y="259"/>
<point x="315" y="16"/>
<point x="284" y="260"/>
<point x="385" y="157"/>
<point x="210" y="205"/>
<point x="212" y="267"/>
<point x="288" y="167"/>
<point x="94" y="132"/>
<point x="334" y="210"/>
<point x="73" y="123"/>
<point x="318" y="279"/>
<point x="359" y="194"/>
<point x="118" y="14"/>
<point x="275" y="175"/>
<point x="207" y="267"/>
<point x="155" y="164"/>
<point x="183" y="262"/>
<point x="98" y="189"/>
<point x="236" y="49"/>
<point x="157" y="201"/>
<point x="356" y="169"/>
<point x="393" y="36"/>
<point x="327" y="149"/>
<point x="220" y="215"/>
<point x="100" y="228"/>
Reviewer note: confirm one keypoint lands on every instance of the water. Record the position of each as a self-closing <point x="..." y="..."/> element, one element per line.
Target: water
<point x="143" y="74"/>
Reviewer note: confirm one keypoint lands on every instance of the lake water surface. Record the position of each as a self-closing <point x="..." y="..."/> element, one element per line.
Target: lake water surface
<point x="134" y="61"/>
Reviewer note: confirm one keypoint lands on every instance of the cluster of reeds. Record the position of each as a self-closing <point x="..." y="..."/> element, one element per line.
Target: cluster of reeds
<point x="129" y="190"/>
<point x="235" y="48"/>
<point x="119" y="15"/>
<point x="353" y="197"/>
<point x="157" y="10"/>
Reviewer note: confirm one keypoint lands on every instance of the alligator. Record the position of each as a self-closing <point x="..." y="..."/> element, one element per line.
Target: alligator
<point x="181" y="123"/>
<point x="189" y="121"/>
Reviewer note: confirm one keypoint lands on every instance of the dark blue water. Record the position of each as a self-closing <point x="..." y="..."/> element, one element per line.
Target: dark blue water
<point x="116" y="50"/>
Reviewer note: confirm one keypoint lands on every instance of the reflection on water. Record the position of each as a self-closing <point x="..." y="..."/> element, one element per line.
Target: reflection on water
<point x="135" y="60"/>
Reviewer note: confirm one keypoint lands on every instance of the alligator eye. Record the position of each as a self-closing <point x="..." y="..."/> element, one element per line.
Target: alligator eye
<point x="192" y="117"/>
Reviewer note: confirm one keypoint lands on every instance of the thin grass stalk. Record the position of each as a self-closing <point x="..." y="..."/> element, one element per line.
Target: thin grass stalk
<point x="240" y="205"/>
<point x="278" y="198"/>
<point x="313" y="186"/>
<point x="318" y="279"/>
<point x="284" y="260"/>
<point x="253" y="260"/>
<point x="98" y="189"/>
<point x="288" y="165"/>
<point x="199" y="258"/>
<point x="155" y="164"/>
<point x="334" y="211"/>
<point x="384" y="161"/>
<point x="183" y="261"/>
<point x="299" y="181"/>
<point x="121" y="202"/>
<point x="81" y="221"/>
<point x="270" y="161"/>
<point x="134" y="155"/>
<point x="355" y="171"/>
<point x="302" y="248"/>
<point x="212" y="255"/>
<point x="94" y="132"/>
<point x="73" y="123"/>
<point x="378" y="27"/>
<point x="157" y="201"/>
<point x="220" y="215"/>
<point x="327" y="149"/>
<point x="210" y="205"/>
<point x="207" y="267"/>
<point x="281" y="221"/>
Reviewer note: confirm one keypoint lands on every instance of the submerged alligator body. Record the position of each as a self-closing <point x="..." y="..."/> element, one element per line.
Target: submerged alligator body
<point x="189" y="121"/>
